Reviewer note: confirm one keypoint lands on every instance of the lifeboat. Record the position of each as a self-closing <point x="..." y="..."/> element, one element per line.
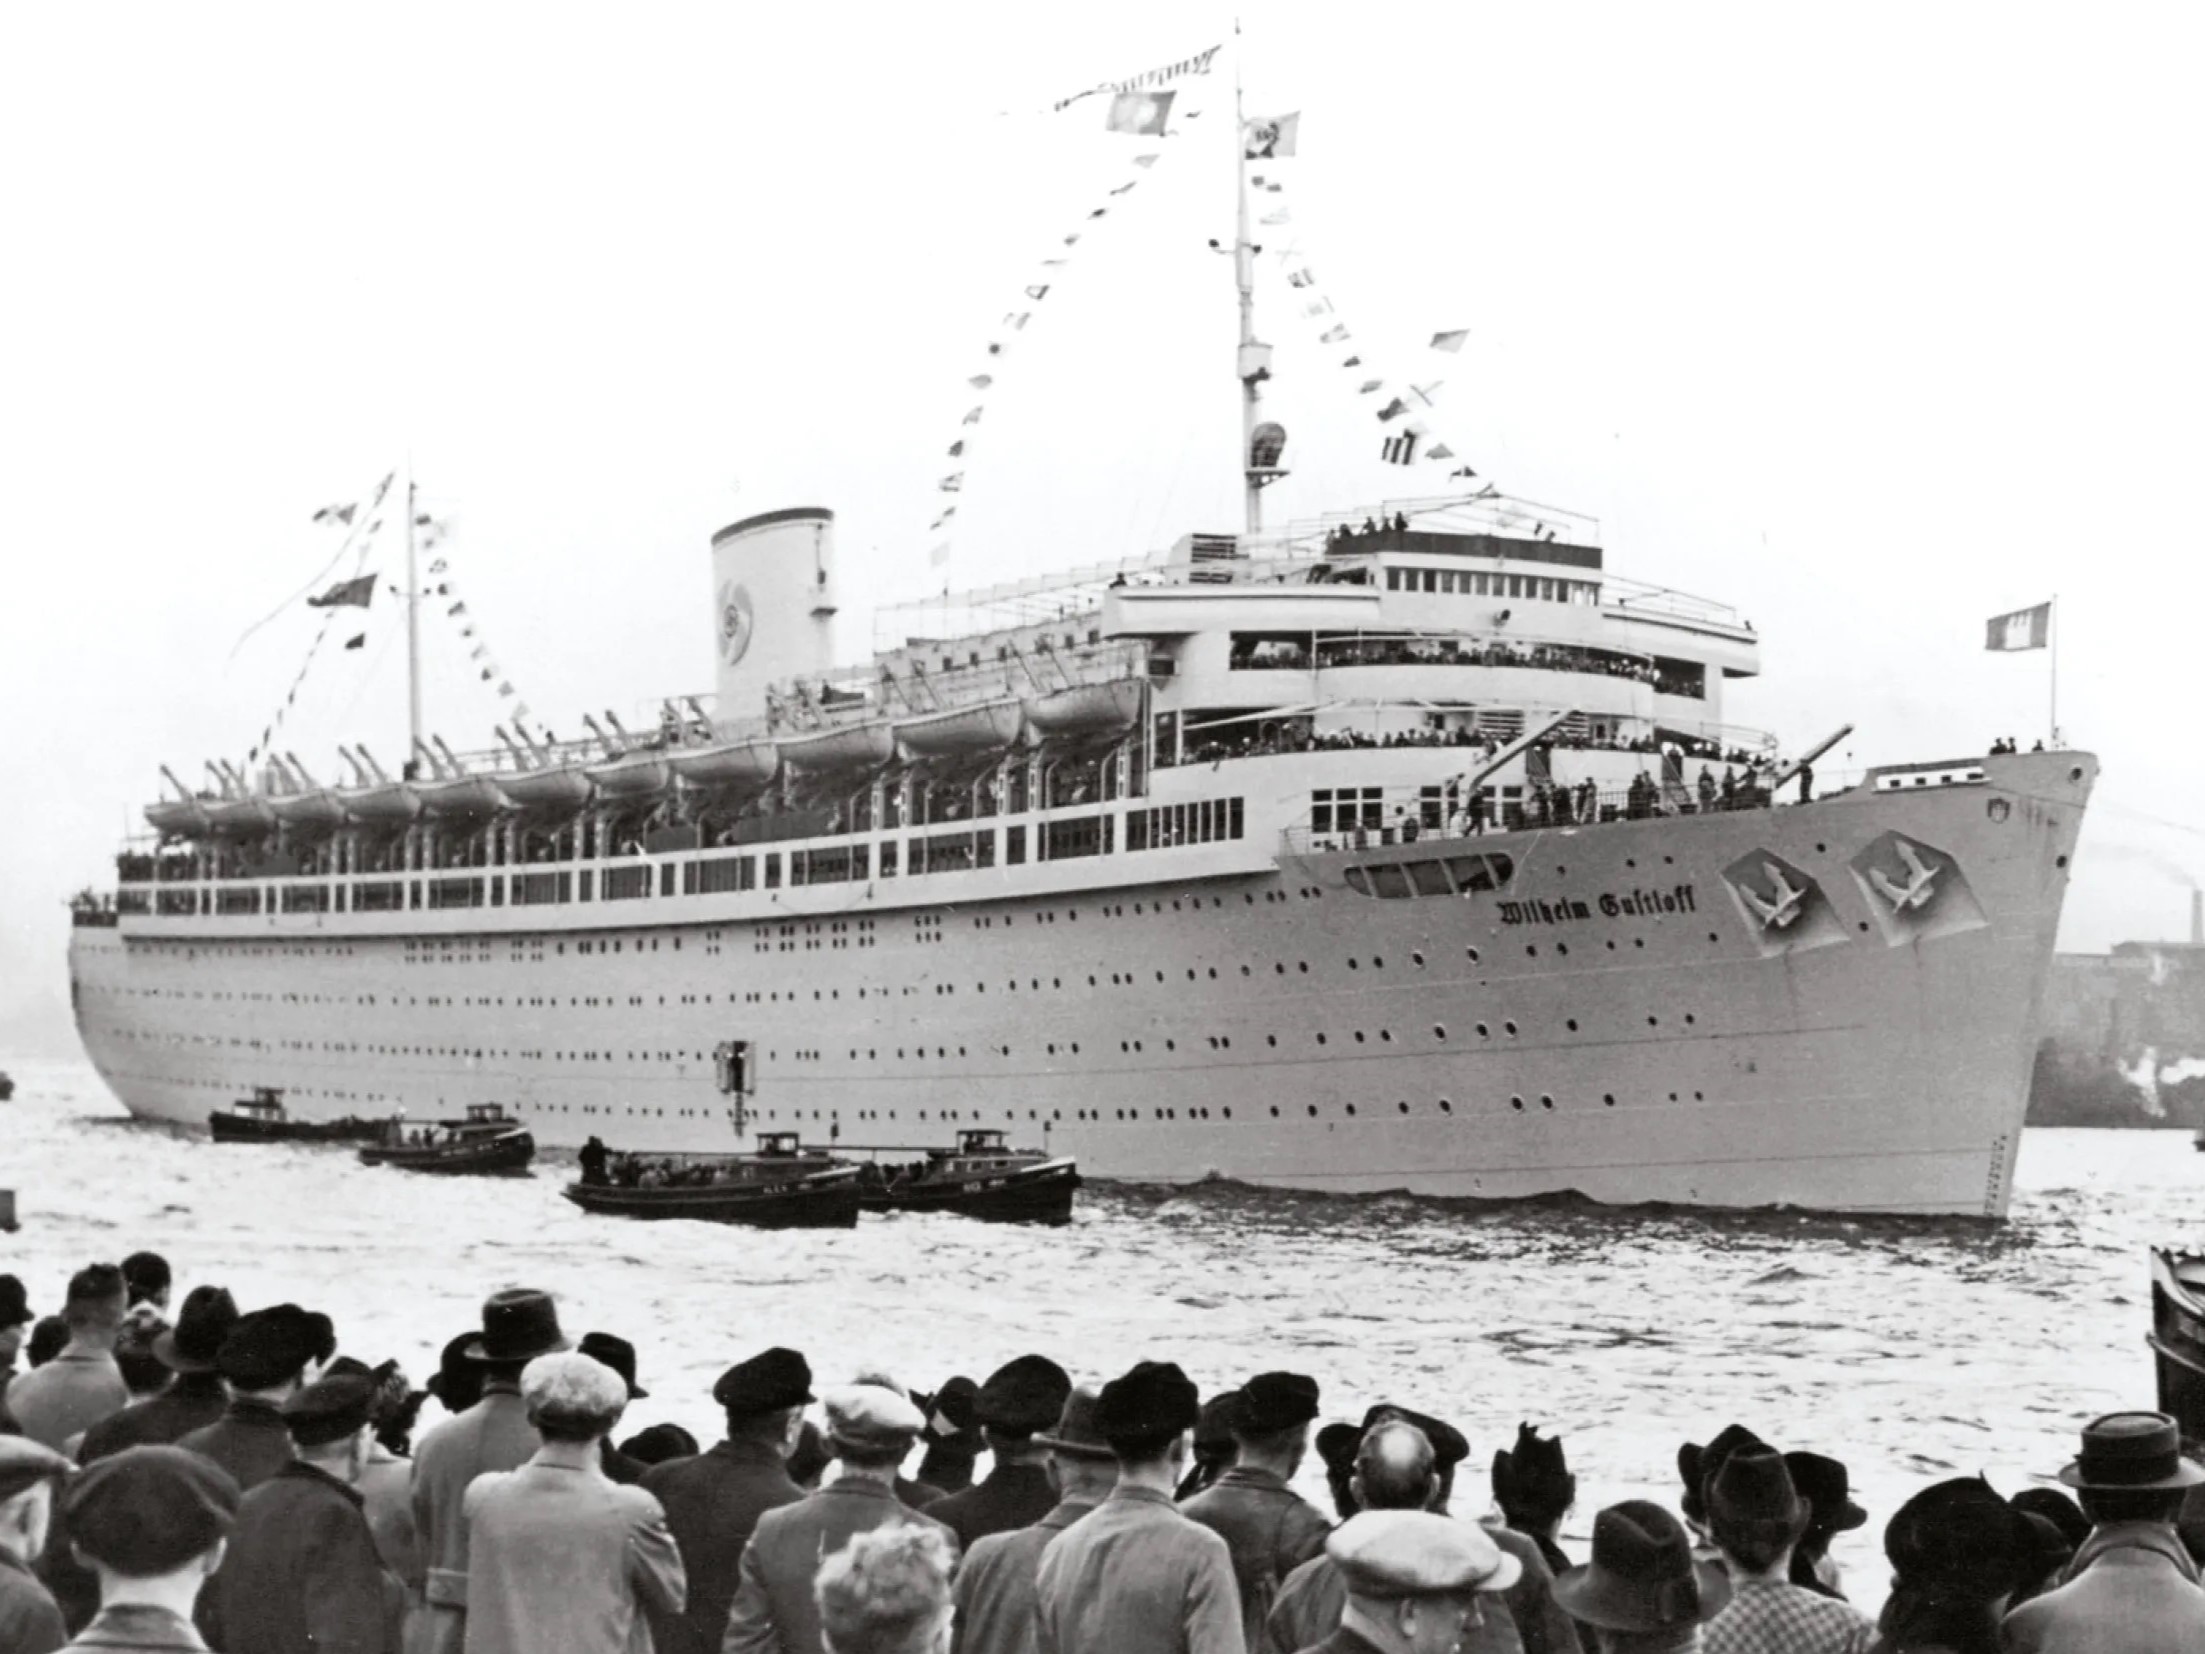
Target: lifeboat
<point x="240" y="817"/>
<point x="562" y="788"/>
<point x="965" y="731"/>
<point x="465" y="795"/>
<point x="852" y="747"/>
<point x="631" y="775"/>
<point x="729" y="766"/>
<point x="316" y="807"/>
<point x="179" y="817"/>
<point x="1087" y="709"/>
<point x="383" y="803"/>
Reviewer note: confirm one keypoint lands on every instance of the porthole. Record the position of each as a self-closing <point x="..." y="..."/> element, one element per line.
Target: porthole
<point x="1445" y="1107"/>
<point x="1439" y="1030"/>
<point x="1313" y="1111"/>
<point x="1484" y="1032"/>
<point x="1516" y="1103"/>
<point x="1351" y="1108"/>
<point x="1571" y="1025"/>
<point x="1472" y="954"/>
<point x="1608" y="1098"/>
<point x="1509" y="1028"/>
<point x="1545" y="1101"/>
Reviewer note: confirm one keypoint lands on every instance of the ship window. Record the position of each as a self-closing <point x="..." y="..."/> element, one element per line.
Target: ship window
<point x="773" y="869"/>
<point x="888" y="858"/>
<point x="1429" y="878"/>
<point x="1393" y="580"/>
<point x="1388" y="880"/>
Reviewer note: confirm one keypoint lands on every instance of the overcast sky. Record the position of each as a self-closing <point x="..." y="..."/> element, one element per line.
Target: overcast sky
<point x="1871" y="321"/>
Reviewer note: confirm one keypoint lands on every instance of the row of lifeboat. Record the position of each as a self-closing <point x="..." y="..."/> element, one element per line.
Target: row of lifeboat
<point x="733" y="769"/>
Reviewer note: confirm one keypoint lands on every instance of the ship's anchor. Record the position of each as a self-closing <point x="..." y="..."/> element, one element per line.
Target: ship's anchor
<point x="1783" y="903"/>
<point x="1920" y="884"/>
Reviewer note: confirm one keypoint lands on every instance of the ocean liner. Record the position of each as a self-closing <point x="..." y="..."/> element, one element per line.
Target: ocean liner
<point x="1403" y="849"/>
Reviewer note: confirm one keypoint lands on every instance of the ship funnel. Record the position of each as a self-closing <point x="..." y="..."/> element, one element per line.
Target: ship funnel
<point x="773" y="608"/>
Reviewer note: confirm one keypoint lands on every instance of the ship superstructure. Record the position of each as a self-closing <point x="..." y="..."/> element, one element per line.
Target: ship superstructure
<point x="1409" y="849"/>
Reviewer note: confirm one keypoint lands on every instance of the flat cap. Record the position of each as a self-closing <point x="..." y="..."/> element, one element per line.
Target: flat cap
<point x="25" y="1463"/>
<point x="150" y="1510"/>
<point x="1271" y="1402"/>
<point x="329" y="1410"/>
<point x="770" y="1380"/>
<point x="270" y="1346"/>
<point x="1414" y="1553"/>
<point x="871" y="1416"/>
<point x="1150" y="1399"/>
<point x="1023" y="1396"/>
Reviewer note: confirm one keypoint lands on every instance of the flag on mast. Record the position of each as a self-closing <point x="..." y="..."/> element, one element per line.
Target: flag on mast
<point x="2023" y="629"/>
<point x="1141" y="113"/>
<point x="1270" y="137"/>
<point x="346" y="593"/>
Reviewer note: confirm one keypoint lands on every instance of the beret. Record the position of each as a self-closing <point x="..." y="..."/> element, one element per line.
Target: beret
<point x="269" y="1346"/>
<point x="1152" y="1398"/>
<point x="871" y="1416"/>
<point x="25" y="1463"/>
<point x="774" y="1379"/>
<point x="1415" y="1553"/>
<point x="1271" y="1402"/>
<point x="1023" y="1396"/>
<point x="329" y="1410"/>
<point x="150" y="1510"/>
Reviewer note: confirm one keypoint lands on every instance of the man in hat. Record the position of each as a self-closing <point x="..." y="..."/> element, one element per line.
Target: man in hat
<point x="1643" y="1589"/>
<point x="1696" y="1467"/>
<point x="301" y="1570"/>
<point x="1534" y="1489"/>
<point x="1827" y="1487"/>
<point x="1214" y="1447"/>
<point x="871" y="1429"/>
<point x="264" y="1360"/>
<point x="558" y="1555"/>
<point x="15" y="1318"/>
<point x="618" y="1354"/>
<point x="953" y="1438"/>
<point x="518" y="1325"/>
<point x="1019" y="1399"/>
<point x="81" y="1385"/>
<point x="146" y="1280"/>
<point x="995" y="1585"/>
<point x="1402" y="1460"/>
<point x="1270" y="1529"/>
<point x="1755" y="1516"/>
<point x="30" y="1619"/>
<point x="1958" y="1553"/>
<point x="1416" y="1582"/>
<point x="195" y="1397"/>
<point x="914" y="1491"/>
<point x="151" y="1521"/>
<point x="1136" y="1573"/>
<point x="2132" y="1585"/>
<point x="713" y="1501"/>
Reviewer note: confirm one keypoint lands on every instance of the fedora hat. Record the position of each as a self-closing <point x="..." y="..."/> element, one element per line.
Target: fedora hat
<point x="2131" y="1452"/>
<point x="1825" y="1484"/>
<point x="1753" y="1485"/>
<point x="191" y="1345"/>
<point x="1075" y="1434"/>
<point x="1962" y="1538"/>
<point x="517" y="1325"/>
<point x="1642" y="1576"/>
<point x="1696" y="1465"/>
<point x="616" y="1353"/>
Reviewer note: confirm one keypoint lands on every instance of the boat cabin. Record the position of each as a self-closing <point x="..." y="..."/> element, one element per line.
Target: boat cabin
<point x="266" y="1103"/>
<point x="488" y="1114"/>
<point x="782" y="1145"/>
<point x="987" y="1142"/>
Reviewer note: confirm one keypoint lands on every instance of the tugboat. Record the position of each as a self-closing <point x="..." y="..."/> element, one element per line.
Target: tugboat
<point x="262" y="1118"/>
<point x="782" y="1186"/>
<point x="2177" y="1338"/>
<point x="982" y="1177"/>
<point x="488" y="1142"/>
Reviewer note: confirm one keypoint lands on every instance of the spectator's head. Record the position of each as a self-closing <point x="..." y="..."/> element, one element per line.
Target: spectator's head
<point x="1419" y="1577"/>
<point x="616" y="1353"/>
<point x="48" y="1339"/>
<point x="809" y="1458"/>
<point x="1020" y="1398"/>
<point x="1826" y="1485"/>
<point x="765" y="1397"/>
<point x="95" y="1306"/>
<point x="660" y="1444"/>
<point x="15" y="1319"/>
<point x="1270" y="1423"/>
<point x="137" y="1353"/>
<point x="1395" y="1468"/>
<point x="1145" y="1414"/>
<point x="887" y="1592"/>
<point x="149" y="1517"/>
<point x="572" y="1397"/>
<point x="457" y="1381"/>
<point x="871" y="1427"/>
<point x="1642" y="1592"/>
<point x="1754" y="1514"/>
<point x="146" y="1279"/>
<point x="266" y="1353"/>
<point x="331" y="1423"/>
<point x="1958" y="1552"/>
<point x="1080" y="1461"/>
<point x="29" y="1473"/>
<point x="2131" y="1469"/>
<point x="518" y="1325"/>
<point x="1532" y="1482"/>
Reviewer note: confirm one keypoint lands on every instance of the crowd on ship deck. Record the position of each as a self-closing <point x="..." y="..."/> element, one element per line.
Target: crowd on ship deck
<point x="1266" y="737"/>
<point x="1291" y="655"/>
<point x="244" y="1483"/>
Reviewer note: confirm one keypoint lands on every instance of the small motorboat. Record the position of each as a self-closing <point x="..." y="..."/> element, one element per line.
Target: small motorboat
<point x="262" y="1118"/>
<point x="488" y="1143"/>
<point x="7" y="1086"/>
<point x="782" y="1186"/>
<point x="982" y="1177"/>
<point x="2177" y="1339"/>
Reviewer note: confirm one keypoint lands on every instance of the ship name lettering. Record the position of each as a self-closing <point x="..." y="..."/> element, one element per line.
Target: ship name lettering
<point x="1638" y="903"/>
<point x="1565" y="910"/>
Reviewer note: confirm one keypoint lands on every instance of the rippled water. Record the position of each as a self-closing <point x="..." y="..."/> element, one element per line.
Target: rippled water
<point x="1911" y="1350"/>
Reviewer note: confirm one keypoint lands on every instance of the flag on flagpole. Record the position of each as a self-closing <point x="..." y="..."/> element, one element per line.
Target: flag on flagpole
<point x="1333" y="335"/>
<point x="353" y="593"/>
<point x="2023" y="629"/>
<point x="356" y="642"/>
<point x="1271" y="137"/>
<point x="1451" y="340"/>
<point x="1398" y="450"/>
<point x="1142" y="114"/>
<point x="1394" y="409"/>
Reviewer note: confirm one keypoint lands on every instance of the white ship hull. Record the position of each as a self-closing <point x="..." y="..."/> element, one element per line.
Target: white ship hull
<point x="1619" y="1021"/>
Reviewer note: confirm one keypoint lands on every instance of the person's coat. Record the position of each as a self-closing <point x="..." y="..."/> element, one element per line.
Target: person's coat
<point x="560" y="1556"/>
<point x="2132" y="1588"/>
<point x="301" y="1572"/>
<point x="1012" y="1496"/>
<point x="250" y="1441"/>
<point x="996" y="1595"/>
<point x="713" y="1503"/>
<point x="774" y="1611"/>
<point x="494" y="1434"/>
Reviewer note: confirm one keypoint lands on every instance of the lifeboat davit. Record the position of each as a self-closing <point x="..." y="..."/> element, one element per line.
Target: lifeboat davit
<point x="631" y="775"/>
<point x="729" y="766"/>
<point x="965" y="731"/>
<point x="240" y="817"/>
<point x="852" y="747"/>
<point x="465" y="795"/>
<point x="178" y="817"/>
<point x="562" y="788"/>
<point x="383" y="803"/>
<point x="1088" y="708"/>
<point x="316" y="807"/>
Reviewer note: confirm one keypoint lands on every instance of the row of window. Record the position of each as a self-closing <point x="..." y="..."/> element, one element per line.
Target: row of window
<point x="1479" y="583"/>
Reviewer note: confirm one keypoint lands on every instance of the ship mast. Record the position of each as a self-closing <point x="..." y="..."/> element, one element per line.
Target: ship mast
<point x="413" y="629"/>
<point x="1258" y="471"/>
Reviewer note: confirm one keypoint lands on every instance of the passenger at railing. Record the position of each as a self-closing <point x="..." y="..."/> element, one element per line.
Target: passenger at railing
<point x="1729" y="787"/>
<point x="1401" y="522"/>
<point x="1705" y="787"/>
